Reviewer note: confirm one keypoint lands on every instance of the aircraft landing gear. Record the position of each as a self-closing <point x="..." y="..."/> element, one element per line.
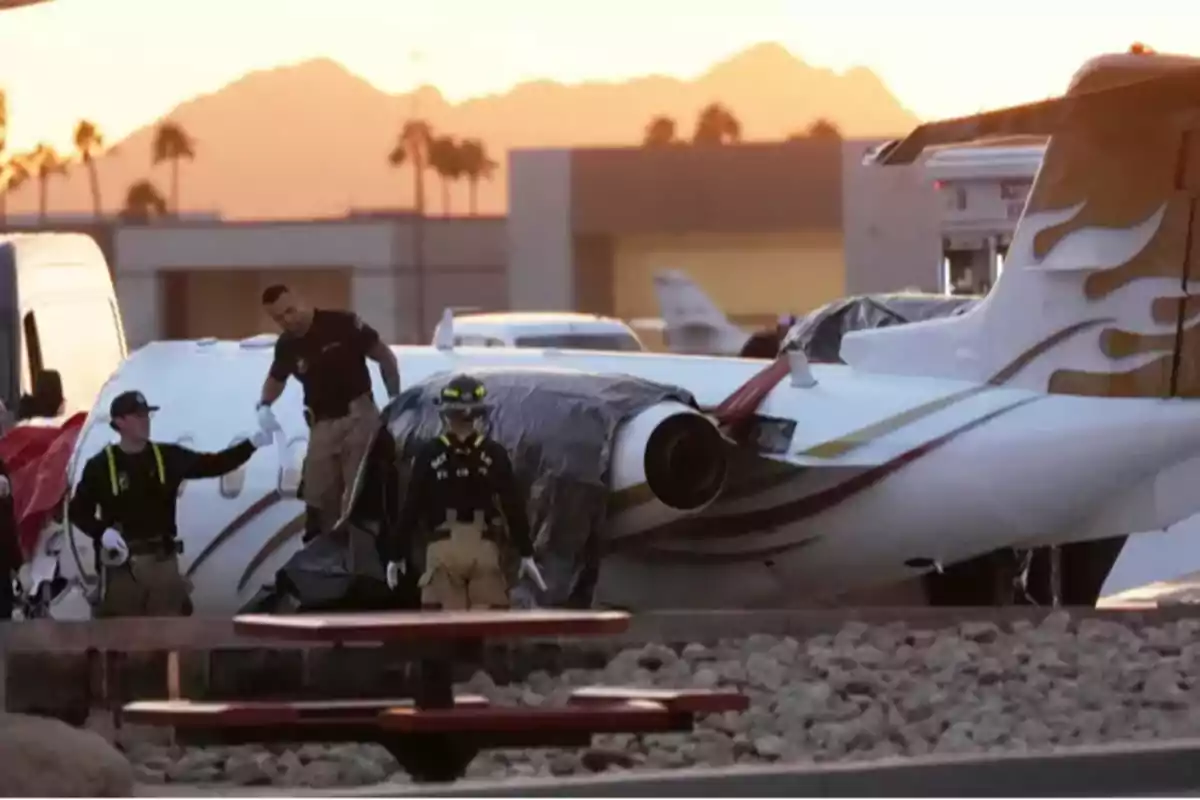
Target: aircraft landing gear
<point x="1066" y="575"/>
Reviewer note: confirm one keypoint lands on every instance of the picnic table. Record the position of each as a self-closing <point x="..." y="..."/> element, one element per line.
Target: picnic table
<point x="435" y="735"/>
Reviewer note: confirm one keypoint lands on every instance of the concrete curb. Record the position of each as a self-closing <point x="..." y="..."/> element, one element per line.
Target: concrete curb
<point x="145" y="634"/>
<point x="1125" y="770"/>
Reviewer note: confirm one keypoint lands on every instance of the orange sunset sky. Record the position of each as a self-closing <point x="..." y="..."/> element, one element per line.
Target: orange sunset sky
<point x="123" y="63"/>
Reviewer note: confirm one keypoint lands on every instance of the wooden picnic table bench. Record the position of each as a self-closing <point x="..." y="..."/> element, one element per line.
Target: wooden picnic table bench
<point x="436" y="735"/>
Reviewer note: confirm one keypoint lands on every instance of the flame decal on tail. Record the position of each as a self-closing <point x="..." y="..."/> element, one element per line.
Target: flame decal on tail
<point x="1110" y="232"/>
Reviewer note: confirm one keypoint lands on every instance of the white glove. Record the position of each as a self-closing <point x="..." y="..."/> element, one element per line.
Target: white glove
<point x="267" y="421"/>
<point x="394" y="570"/>
<point x="529" y="569"/>
<point x="5" y="487"/>
<point x="261" y="438"/>
<point x="114" y="552"/>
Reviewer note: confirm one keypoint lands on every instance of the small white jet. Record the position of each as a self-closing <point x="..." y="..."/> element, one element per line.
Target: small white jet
<point x="1062" y="408"/>
<point x="692" y="323"/>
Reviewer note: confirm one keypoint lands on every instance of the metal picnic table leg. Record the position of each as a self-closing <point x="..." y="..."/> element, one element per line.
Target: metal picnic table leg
<point x="435" y="757"/>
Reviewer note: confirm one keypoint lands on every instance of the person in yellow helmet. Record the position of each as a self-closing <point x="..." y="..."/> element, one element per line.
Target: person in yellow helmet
<point x="463" y="494"/>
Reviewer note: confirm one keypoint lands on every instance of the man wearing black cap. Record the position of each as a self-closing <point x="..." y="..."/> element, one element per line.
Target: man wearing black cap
<point x="125" y="502"/>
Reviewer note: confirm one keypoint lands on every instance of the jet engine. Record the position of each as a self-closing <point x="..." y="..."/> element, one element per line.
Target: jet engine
<point x="675" y="452"/>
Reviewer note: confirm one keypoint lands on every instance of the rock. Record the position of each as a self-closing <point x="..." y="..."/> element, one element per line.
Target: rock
<point x="249" y="769"/>
<point x="982" y="632"/>
<point x="770" y="746"/>
<point x="319" y="774"/>
<point x="148" y="775"/>
<point x="596" y="759"/>
<point x="42" y="757"/>
<point x="361" y="769"/>
<point x="196" y="766"/>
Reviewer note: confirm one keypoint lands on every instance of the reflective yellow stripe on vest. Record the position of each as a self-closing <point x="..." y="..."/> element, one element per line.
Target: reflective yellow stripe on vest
<point x="112" y="467"/>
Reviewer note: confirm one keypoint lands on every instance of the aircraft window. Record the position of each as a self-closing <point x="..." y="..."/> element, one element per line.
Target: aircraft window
<point x="232" y="483"/>
<point x="490" y="342"/>
<point x="290" y="471"/>
<point x="621" y="342"/>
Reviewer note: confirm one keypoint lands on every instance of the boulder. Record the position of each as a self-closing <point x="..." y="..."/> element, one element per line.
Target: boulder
<point x="41" y="757"/>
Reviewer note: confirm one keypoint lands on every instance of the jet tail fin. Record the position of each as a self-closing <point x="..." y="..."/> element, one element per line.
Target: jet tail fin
<point x="1097" y="292"/>
<point x="693" y="323"/>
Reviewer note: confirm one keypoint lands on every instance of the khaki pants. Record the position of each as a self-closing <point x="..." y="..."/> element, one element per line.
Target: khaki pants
<point x="146" y="586"/>
<point x="463" y="571"/>
<point x="335" y="449"/>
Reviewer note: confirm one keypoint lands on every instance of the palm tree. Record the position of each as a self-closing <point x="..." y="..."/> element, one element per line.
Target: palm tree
<point x="446" y="160"/>
<point x="89" y="142"/>
<point x="716" y="124"/>
<point x="13" y="174"/>
<point x="412" y="147"/>
<point x="45" y="162"/>
<point x="143" y="202"/>
<point x="476" y="166"/>
<point x="172" y="143"/>
<point x="823" y="128"/>
<point x="660" y="132"/>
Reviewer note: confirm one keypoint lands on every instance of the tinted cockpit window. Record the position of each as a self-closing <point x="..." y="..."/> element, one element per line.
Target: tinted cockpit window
<point x="622" y="342"/>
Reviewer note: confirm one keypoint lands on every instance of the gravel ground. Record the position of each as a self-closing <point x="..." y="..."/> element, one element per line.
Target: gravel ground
<point x="864" y="693"/>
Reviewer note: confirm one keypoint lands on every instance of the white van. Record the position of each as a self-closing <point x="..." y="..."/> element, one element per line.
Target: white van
<point x="556" y="329"/>
<point x="61" y="334"/>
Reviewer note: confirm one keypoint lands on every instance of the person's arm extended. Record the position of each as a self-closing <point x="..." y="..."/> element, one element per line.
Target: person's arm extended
<point x="367" y="340"/>
<point x="185" y="464"/>
<point x="382" y="355"/>
<point x="511" y="502"/>
<point x="85" y="502"/>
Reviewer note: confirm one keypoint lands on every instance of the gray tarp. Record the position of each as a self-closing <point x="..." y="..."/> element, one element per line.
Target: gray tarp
<point x="559" y="427"/>
<point x="820" y="332"/>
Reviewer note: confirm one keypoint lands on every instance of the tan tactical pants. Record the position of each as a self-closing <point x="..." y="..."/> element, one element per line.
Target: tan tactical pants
<point x="462" y="571"/>
<point x="146" y="586"/>
<point x="335" y="449"/>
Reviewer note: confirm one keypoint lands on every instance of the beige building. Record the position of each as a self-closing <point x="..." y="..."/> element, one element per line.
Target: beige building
<point x="762" y="228"/>
<point x="190" y="279"/>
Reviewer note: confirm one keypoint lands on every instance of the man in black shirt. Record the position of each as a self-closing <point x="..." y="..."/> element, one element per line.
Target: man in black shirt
<point x="462" y="491"/>
<point x="125" y="502"/>
<point x="327" y="352"/>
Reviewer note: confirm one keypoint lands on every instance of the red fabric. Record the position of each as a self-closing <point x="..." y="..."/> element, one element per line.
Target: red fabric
<point x="37" y="458"/>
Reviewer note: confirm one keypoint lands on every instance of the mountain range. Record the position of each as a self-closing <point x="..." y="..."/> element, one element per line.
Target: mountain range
<point x="311" y="139"/>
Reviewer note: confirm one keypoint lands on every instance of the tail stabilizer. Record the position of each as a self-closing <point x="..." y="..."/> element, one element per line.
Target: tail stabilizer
<point x="1097" y="296"/>
<point x="692" y="321"/>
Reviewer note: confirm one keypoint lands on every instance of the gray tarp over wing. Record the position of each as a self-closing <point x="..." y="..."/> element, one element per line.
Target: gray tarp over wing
<point x="559" y="427"/>
<point x="820" y="333"/>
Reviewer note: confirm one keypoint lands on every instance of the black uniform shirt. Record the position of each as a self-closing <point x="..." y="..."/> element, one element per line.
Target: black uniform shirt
<point x="464" y="476"/>
<point x="143" y="507"/>
<point x="329" y="361"/>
